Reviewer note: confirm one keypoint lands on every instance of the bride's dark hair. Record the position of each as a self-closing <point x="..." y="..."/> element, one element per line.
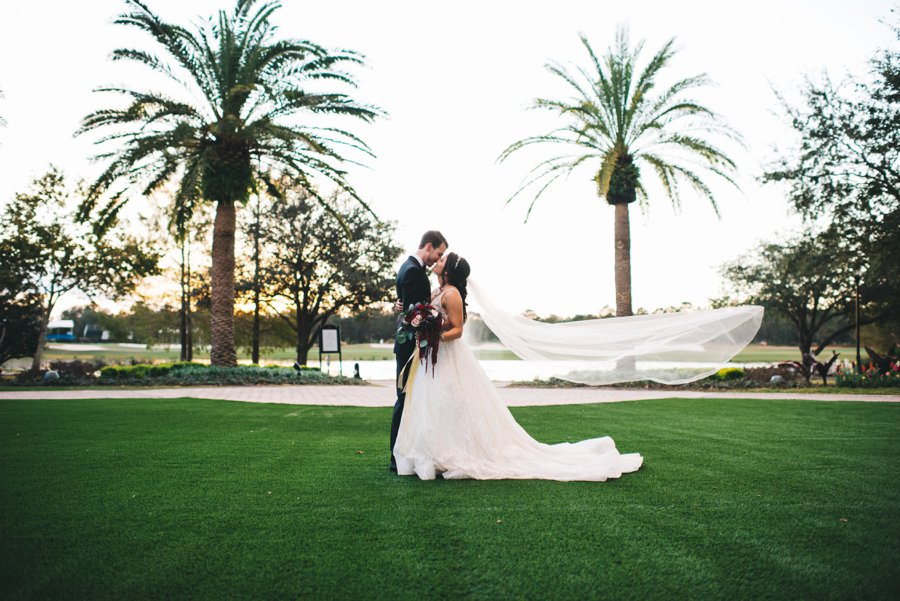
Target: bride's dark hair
<point x="456" y="273"/>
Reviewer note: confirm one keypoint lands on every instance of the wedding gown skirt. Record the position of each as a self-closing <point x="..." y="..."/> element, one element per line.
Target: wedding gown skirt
<point x="454" y="423"/>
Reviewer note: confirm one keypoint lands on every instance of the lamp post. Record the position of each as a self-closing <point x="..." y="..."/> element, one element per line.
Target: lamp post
<point x="856" y="277"/>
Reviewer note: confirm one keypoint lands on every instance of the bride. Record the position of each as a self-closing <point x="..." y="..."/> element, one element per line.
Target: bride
<point x="455" y="425"/>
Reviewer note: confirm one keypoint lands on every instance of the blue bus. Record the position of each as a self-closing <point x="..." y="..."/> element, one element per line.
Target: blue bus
<point x="61" y="331"/>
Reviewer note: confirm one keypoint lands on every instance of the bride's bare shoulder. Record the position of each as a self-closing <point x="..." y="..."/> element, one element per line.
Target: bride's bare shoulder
<point x="451" y="291"/>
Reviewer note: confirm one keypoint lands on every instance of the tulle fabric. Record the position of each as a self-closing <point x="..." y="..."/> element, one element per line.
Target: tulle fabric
<point x="670" y="348"/>
<point x="455" y="424"/>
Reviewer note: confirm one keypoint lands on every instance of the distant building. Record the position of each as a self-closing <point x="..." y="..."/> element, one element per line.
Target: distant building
<point x="94" y="333"/>
<point x="61" y="331"/>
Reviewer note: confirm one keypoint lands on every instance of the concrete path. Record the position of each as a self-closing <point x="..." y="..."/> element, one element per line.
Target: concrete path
<point x="381" y="394"/>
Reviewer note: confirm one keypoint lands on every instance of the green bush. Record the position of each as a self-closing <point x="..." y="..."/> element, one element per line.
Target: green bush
<point x="145" y="370"/>
<point x="185" y="373"/>
<point x="113" y="372"/>
<point x="188" y="373"/>
<point x="245" y="374"/>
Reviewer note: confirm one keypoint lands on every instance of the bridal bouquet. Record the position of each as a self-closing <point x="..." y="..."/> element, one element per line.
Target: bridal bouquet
<point x="423" y="322"/>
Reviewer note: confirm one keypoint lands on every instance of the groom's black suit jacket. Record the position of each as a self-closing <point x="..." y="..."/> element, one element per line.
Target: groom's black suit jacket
<point x="412" y="287"/>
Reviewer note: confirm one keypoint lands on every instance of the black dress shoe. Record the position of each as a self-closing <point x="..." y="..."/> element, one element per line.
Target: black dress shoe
<point x="392" y="468"/>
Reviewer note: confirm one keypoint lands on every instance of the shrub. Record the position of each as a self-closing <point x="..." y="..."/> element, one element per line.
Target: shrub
<point x="145" y="370"/>
<point x="76" y="368"/>
<point x="114" y="371"/>
<point x="245" y="374"/>
<point x="728" y="373"/>
<point x="763" y="376"/>
<point x="28" y="377"/>
<point x="185" y="373"/>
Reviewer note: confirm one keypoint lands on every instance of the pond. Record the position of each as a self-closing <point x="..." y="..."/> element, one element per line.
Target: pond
<point x="514" y="370"/>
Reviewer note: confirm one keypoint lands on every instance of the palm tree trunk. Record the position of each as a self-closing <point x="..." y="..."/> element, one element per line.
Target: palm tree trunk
<point x="189" y="320"/>
<point x="623" y="261"/>
<point x="623" y="275"/>
<point x="256" y="284"/>
<point x="223" y="352"/>
<point x="183" y="323"/>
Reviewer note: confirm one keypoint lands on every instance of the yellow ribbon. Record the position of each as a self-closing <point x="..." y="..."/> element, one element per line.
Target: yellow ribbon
<point x="407" y="387"/>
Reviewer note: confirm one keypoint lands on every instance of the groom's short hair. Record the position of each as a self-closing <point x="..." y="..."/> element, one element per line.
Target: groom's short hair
<point x="433" y="237"/>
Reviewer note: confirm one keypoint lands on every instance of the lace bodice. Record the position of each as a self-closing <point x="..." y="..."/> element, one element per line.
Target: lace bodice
<point x="437" y="300"/>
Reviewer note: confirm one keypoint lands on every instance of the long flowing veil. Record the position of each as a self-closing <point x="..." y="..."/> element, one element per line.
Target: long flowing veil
<point x="670" y="348"/>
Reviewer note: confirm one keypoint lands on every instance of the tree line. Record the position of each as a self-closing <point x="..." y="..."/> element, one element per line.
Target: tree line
<point x="156" y="326"/>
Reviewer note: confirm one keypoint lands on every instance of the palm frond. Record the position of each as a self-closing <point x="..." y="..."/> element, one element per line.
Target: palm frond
<point x="606" y="170"/>
<point x="560" y="71"/>
<point x="177" y="41"/>
<point x="666" y="175"/>
<point x="145" y="58"/>
<point x="542" y="139"/>
<point x="710" y="154"/>
<point x="617" y="117"/>
<point x="698" y="184"/>
<point x="646" y="81"/>
<point x="549" y="170"/>
<point x="249" y="86"/>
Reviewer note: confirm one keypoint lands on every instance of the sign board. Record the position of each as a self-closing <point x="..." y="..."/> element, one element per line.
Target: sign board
<point x="329" y="340"/>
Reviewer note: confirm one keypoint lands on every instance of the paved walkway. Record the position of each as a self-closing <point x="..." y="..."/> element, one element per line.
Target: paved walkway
<point x="381" y="394"/>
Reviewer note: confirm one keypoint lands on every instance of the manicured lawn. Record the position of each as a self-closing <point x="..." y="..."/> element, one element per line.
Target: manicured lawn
<point x="123" y="499"/>
<point x="755" y="353"/>
<point x="114" y="352"/>
<point x="758" y="353"/>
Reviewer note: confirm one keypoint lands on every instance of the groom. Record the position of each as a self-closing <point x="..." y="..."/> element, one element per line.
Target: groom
<point x="413" y="287"/>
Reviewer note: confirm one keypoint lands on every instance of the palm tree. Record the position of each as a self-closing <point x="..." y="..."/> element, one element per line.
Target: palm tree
<point x="620" y="126"/>
<point x="234" y="128"/>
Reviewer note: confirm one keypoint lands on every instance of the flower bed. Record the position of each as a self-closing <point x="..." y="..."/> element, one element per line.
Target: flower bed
<point x="869" y="377"/>
<point x="728" y="378"/>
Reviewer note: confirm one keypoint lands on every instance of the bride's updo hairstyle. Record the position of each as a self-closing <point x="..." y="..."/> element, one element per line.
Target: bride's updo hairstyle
<point x="456" y="273"/>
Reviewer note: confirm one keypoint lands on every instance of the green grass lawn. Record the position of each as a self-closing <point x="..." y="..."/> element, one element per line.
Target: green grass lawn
<point x="758" y="353"/>
<point x="754" y="353"/>
<point x="113" y="352"/>
<point x="188" y="498"/>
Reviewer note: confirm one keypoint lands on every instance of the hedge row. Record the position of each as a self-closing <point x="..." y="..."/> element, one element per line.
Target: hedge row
<point x="182" y="373"/>
<point x="144" y="370"/>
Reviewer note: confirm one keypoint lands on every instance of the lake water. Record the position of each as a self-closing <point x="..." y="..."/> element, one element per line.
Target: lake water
<point x="505" y="371"/>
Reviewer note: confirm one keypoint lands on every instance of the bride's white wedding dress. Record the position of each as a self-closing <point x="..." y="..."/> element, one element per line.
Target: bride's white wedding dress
<point x="455" y="424"/>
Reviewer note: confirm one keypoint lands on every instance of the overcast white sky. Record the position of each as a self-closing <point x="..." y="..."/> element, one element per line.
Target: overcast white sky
<point x="456" y="79"/>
